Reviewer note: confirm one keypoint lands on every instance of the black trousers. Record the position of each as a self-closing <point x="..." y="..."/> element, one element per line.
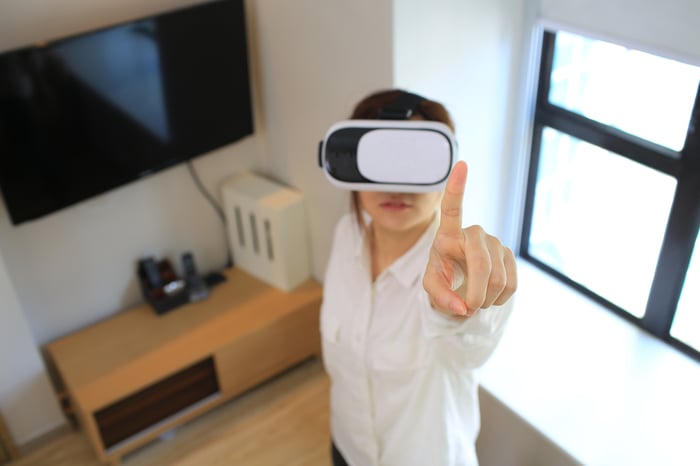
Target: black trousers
<point x="338" y="459"/>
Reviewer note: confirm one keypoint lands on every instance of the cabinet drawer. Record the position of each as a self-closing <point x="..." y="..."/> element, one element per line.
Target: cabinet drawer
<point x="261" y="354"/>
<point x="137" y="412"/>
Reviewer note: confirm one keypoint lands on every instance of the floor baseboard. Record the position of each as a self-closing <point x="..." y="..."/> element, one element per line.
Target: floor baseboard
<point x="45" y="438"/>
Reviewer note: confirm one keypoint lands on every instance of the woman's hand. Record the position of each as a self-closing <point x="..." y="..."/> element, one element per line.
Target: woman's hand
<point x="468" y="269"/>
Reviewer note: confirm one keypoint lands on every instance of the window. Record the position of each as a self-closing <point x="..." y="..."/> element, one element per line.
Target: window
<point x="686" y="322"/>
<point x="613" y="193"/>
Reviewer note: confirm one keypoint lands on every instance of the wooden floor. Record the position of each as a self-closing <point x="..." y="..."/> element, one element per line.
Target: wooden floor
<point x="282" y="422"/>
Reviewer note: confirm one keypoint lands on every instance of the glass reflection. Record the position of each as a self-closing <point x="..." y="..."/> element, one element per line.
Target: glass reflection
<point x="642" y="94"/>
<point x="599" y="218"/>
<point x="121" y="65"/>
<point x="686" y="323"/>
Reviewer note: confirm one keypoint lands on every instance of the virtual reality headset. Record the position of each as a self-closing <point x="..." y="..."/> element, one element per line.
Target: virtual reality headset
<point x="389" y="154"/>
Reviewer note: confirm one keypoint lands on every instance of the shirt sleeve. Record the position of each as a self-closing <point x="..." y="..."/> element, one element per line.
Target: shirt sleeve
<point x="469" y="342"/>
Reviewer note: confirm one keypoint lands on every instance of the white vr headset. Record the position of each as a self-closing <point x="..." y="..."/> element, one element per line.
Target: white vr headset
<point x="389" y="154"/>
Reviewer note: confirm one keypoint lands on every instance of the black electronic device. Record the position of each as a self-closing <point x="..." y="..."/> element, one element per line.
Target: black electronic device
<point x="188" y="266"/>
<point x="151" y="273"/>
<point x="195" y="284"/>
<point x="84" y="114"/>
<point x="160" y="285"/>
<point x="214" y="278"/>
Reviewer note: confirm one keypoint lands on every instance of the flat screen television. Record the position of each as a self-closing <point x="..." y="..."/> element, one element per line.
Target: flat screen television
<point x="84" y="114"/>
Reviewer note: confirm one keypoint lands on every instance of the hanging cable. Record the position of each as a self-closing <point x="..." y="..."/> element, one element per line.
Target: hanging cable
<point x="205" y="193"/>
<point x="219" y="210"/>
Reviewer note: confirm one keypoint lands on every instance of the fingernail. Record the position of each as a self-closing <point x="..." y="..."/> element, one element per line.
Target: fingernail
<point x="458" y="308"/>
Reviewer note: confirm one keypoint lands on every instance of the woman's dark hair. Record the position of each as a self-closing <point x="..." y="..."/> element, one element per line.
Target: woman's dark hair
<point x="368" y="109"/>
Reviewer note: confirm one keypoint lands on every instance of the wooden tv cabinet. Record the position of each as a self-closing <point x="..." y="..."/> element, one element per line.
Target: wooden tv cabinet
<point x="136" y="375"/>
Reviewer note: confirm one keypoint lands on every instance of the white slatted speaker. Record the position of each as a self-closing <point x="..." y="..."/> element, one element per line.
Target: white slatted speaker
<point x="267" y="230"/>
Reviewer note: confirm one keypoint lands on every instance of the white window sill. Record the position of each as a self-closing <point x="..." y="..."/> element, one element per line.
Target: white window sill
<point x="602" y="390"/>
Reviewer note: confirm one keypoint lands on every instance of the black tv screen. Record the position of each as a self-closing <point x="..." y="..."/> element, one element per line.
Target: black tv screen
<point x="85" y="114"/>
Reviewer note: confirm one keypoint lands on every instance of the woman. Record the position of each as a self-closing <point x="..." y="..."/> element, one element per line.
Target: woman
<point x="400" y="346"/>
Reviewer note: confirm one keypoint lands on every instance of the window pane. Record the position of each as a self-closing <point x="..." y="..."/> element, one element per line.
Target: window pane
<point x="599" y="218"/>
<point x="686" y="323"/>
<point x="642" y="94"/>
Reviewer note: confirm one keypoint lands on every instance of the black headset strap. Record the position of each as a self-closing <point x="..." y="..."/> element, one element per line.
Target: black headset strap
<point x="402" y="108"/>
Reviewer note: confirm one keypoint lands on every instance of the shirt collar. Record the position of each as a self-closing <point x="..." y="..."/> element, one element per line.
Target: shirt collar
<point x="410" y="266"/>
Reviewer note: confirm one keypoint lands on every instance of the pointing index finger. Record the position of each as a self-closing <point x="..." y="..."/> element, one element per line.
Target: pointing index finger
<point x="451" y="206"/>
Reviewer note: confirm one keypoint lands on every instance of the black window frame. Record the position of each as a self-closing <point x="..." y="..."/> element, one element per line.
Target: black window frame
<point x="684" y="218"/>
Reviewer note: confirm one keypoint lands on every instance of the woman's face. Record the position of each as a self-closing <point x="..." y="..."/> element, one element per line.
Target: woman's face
<point x="399" y="212"/>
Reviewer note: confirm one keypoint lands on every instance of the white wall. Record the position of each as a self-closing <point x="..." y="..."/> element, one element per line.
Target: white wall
<point x="26" y="399"/>
<point x="317" y="58"/>
<point x="669" y="28"/>
<point x="506" y="439"/>
<point x="463" y="53"/>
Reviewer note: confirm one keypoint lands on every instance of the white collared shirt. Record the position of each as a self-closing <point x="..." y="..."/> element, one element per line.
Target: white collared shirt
<point x="403" y="382"/>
